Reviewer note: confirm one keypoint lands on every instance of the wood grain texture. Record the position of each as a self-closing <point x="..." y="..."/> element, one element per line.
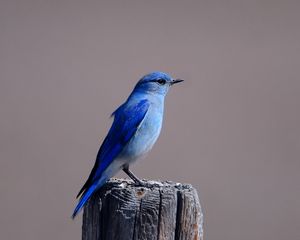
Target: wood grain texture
<point x="160" y="211"/>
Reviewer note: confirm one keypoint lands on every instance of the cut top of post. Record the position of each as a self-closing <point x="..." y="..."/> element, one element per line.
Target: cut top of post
<point x="157" y="211"/>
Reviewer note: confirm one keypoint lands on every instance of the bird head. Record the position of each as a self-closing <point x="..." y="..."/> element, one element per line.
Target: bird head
<point x="156" y="83"/>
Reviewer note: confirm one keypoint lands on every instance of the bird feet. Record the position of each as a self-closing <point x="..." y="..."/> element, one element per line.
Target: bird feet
<point x="141" y="183"/>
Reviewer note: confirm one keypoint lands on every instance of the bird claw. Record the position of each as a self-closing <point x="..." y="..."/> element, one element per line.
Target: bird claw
<point x="142" y="184"/>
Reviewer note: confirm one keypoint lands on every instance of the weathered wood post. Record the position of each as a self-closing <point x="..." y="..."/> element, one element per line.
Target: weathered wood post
<point x="160" y="211"/>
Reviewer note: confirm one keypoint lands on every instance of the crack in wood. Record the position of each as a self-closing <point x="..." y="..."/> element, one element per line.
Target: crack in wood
<point x="159" y="214"/>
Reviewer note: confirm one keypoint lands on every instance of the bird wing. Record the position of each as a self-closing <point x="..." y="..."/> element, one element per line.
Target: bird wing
<point x="127" y="119"/>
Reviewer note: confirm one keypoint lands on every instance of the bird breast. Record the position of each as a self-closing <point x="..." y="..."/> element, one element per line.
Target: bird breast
<point x="146" y="135"/>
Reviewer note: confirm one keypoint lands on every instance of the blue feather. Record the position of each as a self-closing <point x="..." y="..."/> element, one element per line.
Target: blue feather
<point x="126" y="122"/>
<point x="124" y="126"/>
<point x="85" y="197"/>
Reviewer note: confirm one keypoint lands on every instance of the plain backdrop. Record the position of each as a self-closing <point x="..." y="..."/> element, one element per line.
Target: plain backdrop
<point x="231" y="129"/>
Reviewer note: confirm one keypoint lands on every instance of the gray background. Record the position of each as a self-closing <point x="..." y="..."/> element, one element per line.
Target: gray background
<point x="232" y="129"/>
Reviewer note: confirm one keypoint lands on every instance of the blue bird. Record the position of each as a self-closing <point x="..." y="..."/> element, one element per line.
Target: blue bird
<point x="135" y="129"/>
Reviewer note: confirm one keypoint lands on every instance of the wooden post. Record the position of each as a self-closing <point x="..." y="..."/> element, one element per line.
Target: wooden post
<point x="160" y="211"/>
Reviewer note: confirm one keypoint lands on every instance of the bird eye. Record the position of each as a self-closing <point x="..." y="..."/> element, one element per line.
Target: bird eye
<point x="161" y="81"/>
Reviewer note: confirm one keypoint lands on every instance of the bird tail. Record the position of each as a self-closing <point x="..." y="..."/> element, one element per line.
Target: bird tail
<point x="84" y="198"/>
<point x="87" y="194"/>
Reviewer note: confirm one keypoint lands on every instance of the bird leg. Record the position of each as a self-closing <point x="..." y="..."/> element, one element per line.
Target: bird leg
<point x="132" y="176"/>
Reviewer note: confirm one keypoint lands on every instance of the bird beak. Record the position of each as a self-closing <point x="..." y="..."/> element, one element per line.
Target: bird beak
<point x="176" y="81"/>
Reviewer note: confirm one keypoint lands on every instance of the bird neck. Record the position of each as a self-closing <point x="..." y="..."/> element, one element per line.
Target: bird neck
<point x="151" y="96"/>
